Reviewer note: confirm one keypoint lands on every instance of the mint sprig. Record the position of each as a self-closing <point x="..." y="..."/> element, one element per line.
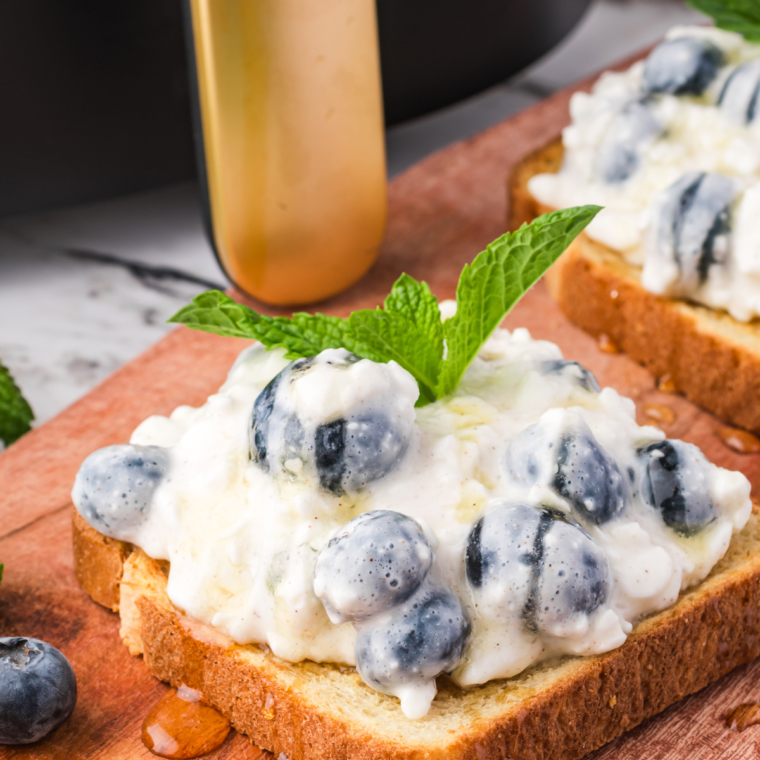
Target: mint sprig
<point x="742" y="16"/>
<point x="408" y="329"/>
<point x="15" y="413"/>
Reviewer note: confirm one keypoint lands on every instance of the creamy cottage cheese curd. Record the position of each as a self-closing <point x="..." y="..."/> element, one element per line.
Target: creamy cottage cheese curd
<point x="310" y="507"/>
<point x="671" y="149"/>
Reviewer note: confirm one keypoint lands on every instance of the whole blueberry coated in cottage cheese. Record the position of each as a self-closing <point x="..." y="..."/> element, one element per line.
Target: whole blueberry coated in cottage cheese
<point x="307" y="424"/>
<point x="682" y="66"/>
<point x="376" y="562"/>
<point x="692" y="226"/>
<point x="426" y="637"/>
<point x="38" y="690"/>
<point x="115" y="485"/>
<point x="571" y="462"/>
<point x="529" y="561"/>
<point x="500" y="554"/>
<point x="353" y="451"/>
<point x="573" y="581"/>
<point x="739" y="99"/>
<point x="573" y="371"/>
<point x="676" y="484"/>
<point x="630" y="132"/>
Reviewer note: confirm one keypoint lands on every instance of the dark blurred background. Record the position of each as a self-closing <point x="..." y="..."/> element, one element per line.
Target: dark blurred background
<point x="97" y="193"/>
<point x="95" y="92"/>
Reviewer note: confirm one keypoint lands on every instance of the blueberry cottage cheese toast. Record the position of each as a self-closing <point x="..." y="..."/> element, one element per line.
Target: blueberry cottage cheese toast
<point x="670" y="270"/>
<point x="513" y="569"/>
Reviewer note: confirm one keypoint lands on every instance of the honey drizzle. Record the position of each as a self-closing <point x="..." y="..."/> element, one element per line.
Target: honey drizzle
<point x="659" y="413"/>
<point x="181" y="726"/>
<point x="666" y="384"/>
<point x="739" y="440"/>
<point x="605" y="344"/>
<point x="743" y="716"/>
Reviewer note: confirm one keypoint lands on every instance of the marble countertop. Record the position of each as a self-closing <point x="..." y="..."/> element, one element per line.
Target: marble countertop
<point x="84" y="290"/>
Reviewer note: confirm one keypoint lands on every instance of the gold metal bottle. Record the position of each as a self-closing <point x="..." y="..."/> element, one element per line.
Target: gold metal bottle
<point x="290" y="111"/>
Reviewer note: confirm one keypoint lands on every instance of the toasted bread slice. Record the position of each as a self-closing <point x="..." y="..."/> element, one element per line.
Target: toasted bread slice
<point x="560" y="710"/>
<point x="707" y="355"/>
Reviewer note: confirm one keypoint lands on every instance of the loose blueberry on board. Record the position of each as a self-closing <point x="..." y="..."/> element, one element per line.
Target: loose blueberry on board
<point x="693" y="221"/>
<point x="577" y="373"/>
<point x="38" y="690"/>
<point x="620" y="152"/>
<point x="345" y="453"/>
<point x="115" y="485"/>
<point x="426" y="637"/>
<point x="571" y="462"/>
<point x="376" y="562"/>
<point x="683" y="66"/>
<point x="740" y="97"/>
<point x="574" y="578"/>
<point x="676" y="484"/>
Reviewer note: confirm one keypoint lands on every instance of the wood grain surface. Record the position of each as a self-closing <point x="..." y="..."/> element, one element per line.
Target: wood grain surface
<point x="442" y="212"/>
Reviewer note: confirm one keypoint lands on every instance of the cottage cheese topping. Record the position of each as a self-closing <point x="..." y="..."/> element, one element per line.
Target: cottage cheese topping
<point x="686" y="115"/>
<point x="310" y="507"/>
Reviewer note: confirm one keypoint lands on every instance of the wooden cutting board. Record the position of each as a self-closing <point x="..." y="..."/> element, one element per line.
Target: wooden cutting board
<point x="442" y="212"/>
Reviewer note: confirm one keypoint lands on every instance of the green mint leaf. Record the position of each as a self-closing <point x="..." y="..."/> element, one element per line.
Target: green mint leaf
<point x="15" y="413"/>
<point x="409" y="329"/>
<point x="2" y="566"/>
<point x="497" y="279"/>
<point x="742" y="16"/>
<point x="215" y="312"/>
<point x="414" y="301"/>
<point x="389" y="336"/>
<point x="301" y="335"/>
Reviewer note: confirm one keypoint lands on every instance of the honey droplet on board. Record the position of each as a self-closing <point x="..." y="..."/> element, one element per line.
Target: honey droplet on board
<point x="739" y="440"/>
<point x="605" y="344"/>
<point x="743" y="716"/>
<point x="666" y="384"/>
<point x="659" y="413"/>
<point x="181" y="726"/>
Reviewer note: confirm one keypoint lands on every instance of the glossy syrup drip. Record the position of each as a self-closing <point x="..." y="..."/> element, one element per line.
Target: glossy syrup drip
<point x="181" y="726"/>
<point x="605" y="344"/>
<point x="739" y="440"/>
<point x="666" y="384"/>
<point x="659" y="413"/>
<point x="743" y="716"/>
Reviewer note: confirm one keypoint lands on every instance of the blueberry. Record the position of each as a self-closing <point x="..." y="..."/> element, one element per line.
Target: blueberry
<point x="574" y="372"/>
<point x="38" y="690"/>
<point x="344" y="453"/>
<point x="531" y="562"/>
<point x="631" y="131"/>
<point x="574" y="578"/>
<point x="683" y="66"/>
<point x="377" y="561"/>
<point x="352" y="452"/>
<point x="740" y="97"/>
<point x="571" y="462"/>
<point x="589" y="479"/>
<point x="692" y="224"/>
<point x="676" y="484"/>
<point x="426" y="637"/>
<point x="500" y="552"/>
<point x="114" y="486"/>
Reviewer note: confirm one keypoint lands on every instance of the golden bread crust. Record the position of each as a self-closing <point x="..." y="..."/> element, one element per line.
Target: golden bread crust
<point x="98" y="562"/>
<point x="708" y="356"/>
<point x="561" y="710"/>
